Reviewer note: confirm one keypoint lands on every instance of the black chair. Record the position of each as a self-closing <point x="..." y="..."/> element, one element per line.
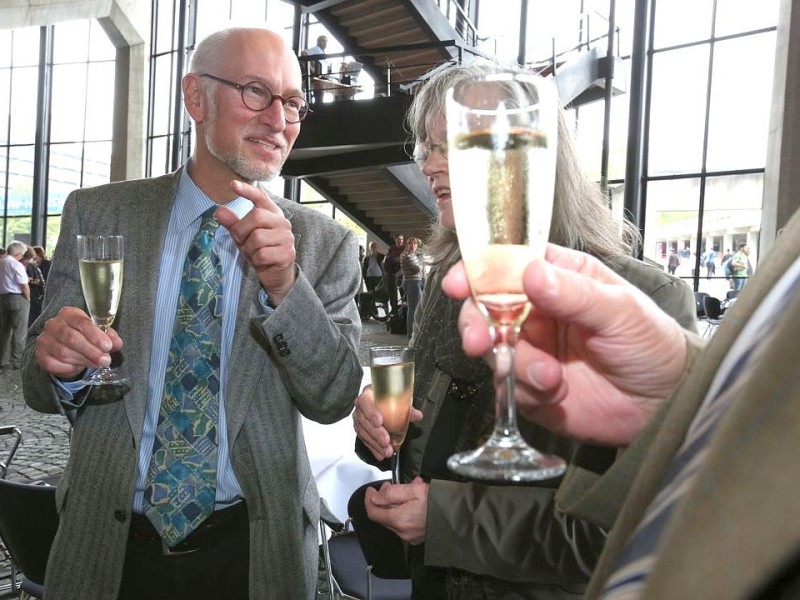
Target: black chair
<point x="364" y="560"/>
<point x="28" y="524"/>
<point x="336" y="550"/>
<point x="712" y="307"/>
<point x="12" y="450"/>
<point x="699" y="304"/>
<point x="374" y="305"/>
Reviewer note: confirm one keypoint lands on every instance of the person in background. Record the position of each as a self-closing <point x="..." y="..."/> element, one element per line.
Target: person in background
<point x="411" y="268"/>
<point x="15" y="304"/>
<point x="2" y="254"/>
<point x="741" y="268"/>
<point x="725" y="263"/>
<point x="361" y="252"/>
<point x="320" y="66"/>
<point x="372" y="267"/>
<point x="391" y="270"/>
<point x="236" y="316"/>
<point x="471" y="540"/>
<point x="673" y="262"/>
<point x="42" y="261"/>
<point x="36" y="283"/>
<point x="710" y="261"/>
<point x="701" y="502"/>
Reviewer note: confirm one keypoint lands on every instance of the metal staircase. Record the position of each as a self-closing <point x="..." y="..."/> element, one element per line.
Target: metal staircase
<point x="357" y="153"/>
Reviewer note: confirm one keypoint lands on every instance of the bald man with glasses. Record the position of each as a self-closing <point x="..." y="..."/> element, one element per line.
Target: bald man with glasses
<point x="276" y="337"/>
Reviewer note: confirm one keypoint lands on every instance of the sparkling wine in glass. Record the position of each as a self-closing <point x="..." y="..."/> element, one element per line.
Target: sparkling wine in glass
<point x="502" y="132"/>
<point x="100" y="258"/>
<point x="392" y="373"/>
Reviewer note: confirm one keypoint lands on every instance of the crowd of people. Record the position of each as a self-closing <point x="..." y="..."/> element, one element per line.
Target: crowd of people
<point x="396" y="279"/>
<point x="23" y="273"/>
<point x="199" y="487"/>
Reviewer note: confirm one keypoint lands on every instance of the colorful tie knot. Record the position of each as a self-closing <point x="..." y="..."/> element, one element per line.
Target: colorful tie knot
<point x="208" y="227"/>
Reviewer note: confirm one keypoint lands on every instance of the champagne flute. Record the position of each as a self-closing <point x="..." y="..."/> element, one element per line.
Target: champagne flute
<point x="392" y="371"/>
<point x="100" y="258"/>
<point x="502" y="137"/>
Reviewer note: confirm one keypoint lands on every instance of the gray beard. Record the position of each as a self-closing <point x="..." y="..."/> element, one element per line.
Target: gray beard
<point x="244" y="170"/>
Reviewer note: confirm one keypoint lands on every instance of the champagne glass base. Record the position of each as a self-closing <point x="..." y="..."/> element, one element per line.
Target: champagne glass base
<point x="104" y="377"/>
<point x="506" y="460"/>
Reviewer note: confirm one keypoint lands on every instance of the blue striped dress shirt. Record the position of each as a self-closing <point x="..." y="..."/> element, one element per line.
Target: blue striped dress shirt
<point x="184" y="222"/>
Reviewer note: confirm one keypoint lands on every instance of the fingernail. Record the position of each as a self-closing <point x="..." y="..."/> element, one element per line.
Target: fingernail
<point x="105" y="345"/>
<point x="549" y="280"/>
<point x="105" y="361"/>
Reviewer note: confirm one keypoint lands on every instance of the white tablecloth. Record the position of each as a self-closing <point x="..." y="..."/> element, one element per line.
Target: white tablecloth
<point x="337" y="469"/>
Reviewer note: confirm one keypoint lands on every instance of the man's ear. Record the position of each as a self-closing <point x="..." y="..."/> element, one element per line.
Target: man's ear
<point x="193" y="98"/>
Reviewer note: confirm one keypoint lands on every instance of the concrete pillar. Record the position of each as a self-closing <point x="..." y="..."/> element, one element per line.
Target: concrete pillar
<point x="782" y="175"/>
<point x="127" y="24"/>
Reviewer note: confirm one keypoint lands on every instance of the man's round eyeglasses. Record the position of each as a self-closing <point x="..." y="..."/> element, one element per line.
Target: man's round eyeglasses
<point x="257" y="96"/>
<point x="423" y="150"/>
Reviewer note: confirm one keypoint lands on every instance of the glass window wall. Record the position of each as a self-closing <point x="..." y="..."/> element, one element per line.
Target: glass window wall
<point x="707" y="116"/>
<point x="74" y="115"/>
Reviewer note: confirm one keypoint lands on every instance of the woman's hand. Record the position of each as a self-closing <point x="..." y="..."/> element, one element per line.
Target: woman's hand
<point x="403" y="508"/>
<point x="368" y="423"/>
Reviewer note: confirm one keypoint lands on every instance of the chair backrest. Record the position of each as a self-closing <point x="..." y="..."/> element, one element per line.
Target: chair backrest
<point x="28" y="524"/>
<point x="17" y="435"/>
<point x="699" y="303"/>
<point x="712" y="307"/>
<point x="383" y="550"/>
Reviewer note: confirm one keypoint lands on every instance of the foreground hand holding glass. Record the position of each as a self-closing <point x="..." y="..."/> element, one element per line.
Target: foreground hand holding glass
<point x="101" y="259"/>
<point x="502" y="135"/>
<point x="392" y="373"/>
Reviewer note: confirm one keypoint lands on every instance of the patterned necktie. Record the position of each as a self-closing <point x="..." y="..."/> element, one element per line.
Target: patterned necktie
<point x="181" y="479"/>
<point x="636" y="561"/>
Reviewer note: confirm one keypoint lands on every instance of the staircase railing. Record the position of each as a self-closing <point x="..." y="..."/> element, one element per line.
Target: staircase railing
<point x="392" y="80"/>
<point x="458" y="18"/>
<point x="588" y="27"/>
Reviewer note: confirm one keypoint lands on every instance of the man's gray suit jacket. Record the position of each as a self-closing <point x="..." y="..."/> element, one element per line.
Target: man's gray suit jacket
<point x="302" y="359"/>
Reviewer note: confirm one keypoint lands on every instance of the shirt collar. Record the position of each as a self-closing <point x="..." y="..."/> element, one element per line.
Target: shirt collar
<point x="191" y="202"/>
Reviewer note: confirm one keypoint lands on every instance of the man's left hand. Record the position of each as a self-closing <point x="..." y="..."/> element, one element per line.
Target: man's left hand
<point x="265" y="238"/>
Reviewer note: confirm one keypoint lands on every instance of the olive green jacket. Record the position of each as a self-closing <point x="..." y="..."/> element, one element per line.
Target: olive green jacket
<point x="511" y="537"/>
<point x="736" y="532"/>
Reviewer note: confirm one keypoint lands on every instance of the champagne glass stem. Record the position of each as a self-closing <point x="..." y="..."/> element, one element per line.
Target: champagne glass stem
<point x="504" y="353"/>
<point x="396" y="466"/>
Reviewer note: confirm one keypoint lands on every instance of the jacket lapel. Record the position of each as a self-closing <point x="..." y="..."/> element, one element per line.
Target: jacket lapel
<point x="144" y="245"/>
<point x="244" y="372"/>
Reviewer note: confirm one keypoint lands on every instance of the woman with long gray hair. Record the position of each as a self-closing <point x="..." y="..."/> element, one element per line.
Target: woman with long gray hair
<point x="469" y="540"/>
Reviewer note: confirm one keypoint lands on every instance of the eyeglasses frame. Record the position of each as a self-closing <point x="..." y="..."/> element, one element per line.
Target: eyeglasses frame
<point x="421" y="160"/>
<point x="241" y="87"/>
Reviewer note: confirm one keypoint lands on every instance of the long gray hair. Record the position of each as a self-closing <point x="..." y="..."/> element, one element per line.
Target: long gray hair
<point x="581" y="217"/>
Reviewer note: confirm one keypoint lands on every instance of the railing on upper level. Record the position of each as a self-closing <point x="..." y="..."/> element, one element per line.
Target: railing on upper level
<point x="458" y="18"/>
<point x="593" y="28"/>
<point x="343" y="76"/>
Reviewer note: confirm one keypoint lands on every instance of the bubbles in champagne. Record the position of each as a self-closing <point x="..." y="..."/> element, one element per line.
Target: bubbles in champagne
<point x="393" y="388"/>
